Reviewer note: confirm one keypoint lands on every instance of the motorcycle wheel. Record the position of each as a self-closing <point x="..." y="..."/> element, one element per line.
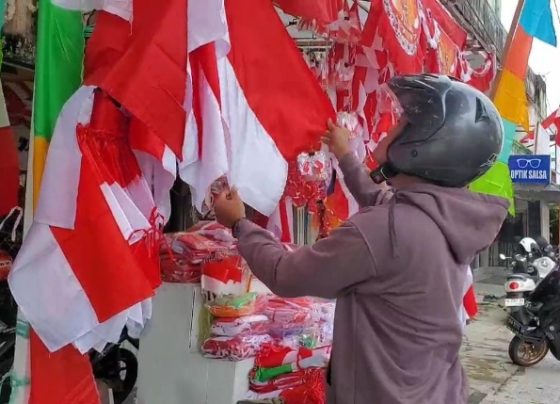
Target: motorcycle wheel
<point x="525" y="353"/>
<point x="6" y="387"/>
<point x="126" y="376"/>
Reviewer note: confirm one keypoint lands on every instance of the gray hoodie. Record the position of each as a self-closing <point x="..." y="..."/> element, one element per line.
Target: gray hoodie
<point x="397" y="270"/>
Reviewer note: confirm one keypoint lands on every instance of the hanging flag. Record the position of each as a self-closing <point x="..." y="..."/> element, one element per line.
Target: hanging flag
<point x="542" y="141"/>
<point x="396" y="25"/>
<point x="120" y="59"/>
<point x="446" y="21"/>
<point x="57" y="74"/>
<point x="270" y="111"/>
<point x="510" y="97"/>
<point x="121" y="8"/>
<point x="99" y="263"/>
<point x="322" y="11"/>
<point x="9" y="162"/>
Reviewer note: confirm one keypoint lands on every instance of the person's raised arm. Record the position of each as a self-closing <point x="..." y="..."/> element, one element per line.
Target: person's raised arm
<point x="356" y="177"/>
<point x="329" y="268"/>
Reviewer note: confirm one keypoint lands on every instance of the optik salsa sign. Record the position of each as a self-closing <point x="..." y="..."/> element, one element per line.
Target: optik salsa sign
<point x="530" y="169"/>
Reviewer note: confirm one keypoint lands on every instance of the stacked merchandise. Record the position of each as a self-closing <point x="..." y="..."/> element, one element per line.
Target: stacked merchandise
<point x="238" y="330"/>
<point x="293" y="366"/>
<point x="290" y="339"/>
<point x="183" y="253"/>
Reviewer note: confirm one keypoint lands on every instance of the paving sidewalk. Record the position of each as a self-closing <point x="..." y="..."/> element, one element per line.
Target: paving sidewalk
<point x="493" y="378"/>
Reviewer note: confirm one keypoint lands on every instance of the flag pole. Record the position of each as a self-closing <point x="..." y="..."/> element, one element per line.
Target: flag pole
<point x="507" y="46"/>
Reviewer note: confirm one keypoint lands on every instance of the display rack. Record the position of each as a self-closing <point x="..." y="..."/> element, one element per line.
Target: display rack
<point x="171" y="368"/>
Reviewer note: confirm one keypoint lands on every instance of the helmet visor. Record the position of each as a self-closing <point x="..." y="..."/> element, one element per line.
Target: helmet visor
<point x="421" y="101"/>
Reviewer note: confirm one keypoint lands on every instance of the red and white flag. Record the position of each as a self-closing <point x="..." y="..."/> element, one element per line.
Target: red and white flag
<point x="322" y="11"/>
<point x="550" y="126"/>
<point x="90" y="252"/>
<point x="252" y="113"/>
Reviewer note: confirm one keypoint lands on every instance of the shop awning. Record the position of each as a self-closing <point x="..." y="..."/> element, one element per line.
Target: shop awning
<point x="549" y="193"/>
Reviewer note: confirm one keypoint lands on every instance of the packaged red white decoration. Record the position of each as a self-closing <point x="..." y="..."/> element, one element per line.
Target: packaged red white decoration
<point x="232" y="306"/>
<point x="182" y="253"/>
<point x="349" y="120"/>
<point x="303" y="192"/>
<point x="231" y="327"/>
<point x="314" y="166"/>
<point x="275" y="355"/>
<point x="234" y="348"/>
<point x="312" y="391"/>
<point x="288" y="316"/>
<point x="282" y="382"/>
<point x="225" y="273"/>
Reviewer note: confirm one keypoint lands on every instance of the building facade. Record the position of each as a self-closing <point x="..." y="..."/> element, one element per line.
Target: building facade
<point x="481" y="18"/>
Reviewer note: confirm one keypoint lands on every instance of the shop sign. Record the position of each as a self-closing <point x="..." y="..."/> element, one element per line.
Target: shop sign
<point x="530" y="169"/>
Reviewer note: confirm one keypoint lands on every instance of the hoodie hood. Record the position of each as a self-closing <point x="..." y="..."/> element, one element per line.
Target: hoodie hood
<point x="469" y="221"/>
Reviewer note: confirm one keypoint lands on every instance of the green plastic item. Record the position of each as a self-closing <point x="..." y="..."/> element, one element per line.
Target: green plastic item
<point x="497" y="182"/>
<point x="265" y="374"/>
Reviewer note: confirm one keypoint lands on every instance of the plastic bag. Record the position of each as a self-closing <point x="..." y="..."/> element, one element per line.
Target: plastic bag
<point x="178" y="269"/>
<point x="314" y="166"/>
<point x="288" y="316"/>
<point x="225" y="273"/>
<point x="282" y="382"/>
<point x="231" y="327"/>
<point x="231" y="306"/>
<point x="234" y="348"/>
<point x="312" y="391"/>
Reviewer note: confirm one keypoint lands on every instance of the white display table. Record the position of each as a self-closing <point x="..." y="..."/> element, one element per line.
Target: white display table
<point x="171" y="369"/>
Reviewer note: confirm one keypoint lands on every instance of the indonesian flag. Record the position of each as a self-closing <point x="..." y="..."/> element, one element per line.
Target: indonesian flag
<point x="255" y="106"/>
<point x="551" y="126"/>
<point x="469" y="308"/>
<point x="142" y="64"/>
<point x="89" y="264"/>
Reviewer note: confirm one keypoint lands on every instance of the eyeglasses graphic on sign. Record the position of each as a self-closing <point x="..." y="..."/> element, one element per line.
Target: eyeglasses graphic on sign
<point x="533" y="163"/>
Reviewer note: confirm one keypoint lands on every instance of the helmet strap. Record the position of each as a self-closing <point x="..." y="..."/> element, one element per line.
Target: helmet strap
<point x="383" y="173"/>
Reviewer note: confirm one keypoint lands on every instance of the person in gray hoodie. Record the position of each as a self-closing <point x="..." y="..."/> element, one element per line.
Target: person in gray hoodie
<point x="398" y="267"/>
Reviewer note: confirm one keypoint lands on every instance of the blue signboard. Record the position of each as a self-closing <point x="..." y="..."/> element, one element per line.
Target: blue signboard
<point x="530" y="169"/>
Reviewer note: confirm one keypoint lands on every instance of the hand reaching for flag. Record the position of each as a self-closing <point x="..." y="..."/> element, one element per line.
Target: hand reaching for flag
<point x="229" y="208"/>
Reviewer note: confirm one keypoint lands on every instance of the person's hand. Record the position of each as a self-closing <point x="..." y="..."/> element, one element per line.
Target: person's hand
<point x="338" y="140"/>
<point x="229" y="208"/>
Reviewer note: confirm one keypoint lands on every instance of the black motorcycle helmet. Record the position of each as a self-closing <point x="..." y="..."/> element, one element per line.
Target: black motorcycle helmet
<point x="453" y="132"/>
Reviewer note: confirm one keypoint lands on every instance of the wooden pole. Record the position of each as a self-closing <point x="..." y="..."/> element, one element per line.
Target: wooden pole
<point x="507" y="47"/>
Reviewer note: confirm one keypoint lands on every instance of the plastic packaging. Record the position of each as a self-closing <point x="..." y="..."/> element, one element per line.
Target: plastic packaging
<point x="288" y="316"/>
<point x="231" y="327"/>
<point x="224" y="273"/>
<point x="182" y="254"/>
<point x="231" y="306"/>
<point x="312" y="391"/>
<point x="314" y="166"/>
<point x="234" y="348"/>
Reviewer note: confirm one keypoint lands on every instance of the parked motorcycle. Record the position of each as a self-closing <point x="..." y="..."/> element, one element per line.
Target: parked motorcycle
<point x="531" y="264"/>
<point x="537" y="324"/>
<point x="117" y="367"/>
<point x="521" y="281"/>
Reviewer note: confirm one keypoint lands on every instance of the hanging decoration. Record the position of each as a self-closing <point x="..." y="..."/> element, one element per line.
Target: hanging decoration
<point x="396" y="24"/>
